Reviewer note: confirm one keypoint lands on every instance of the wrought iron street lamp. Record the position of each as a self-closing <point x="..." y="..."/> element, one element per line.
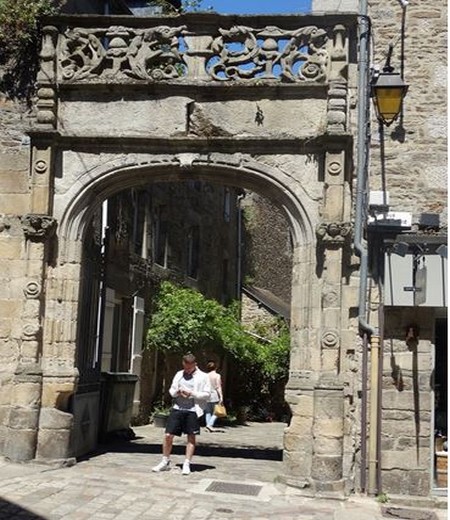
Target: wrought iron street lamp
<point x="388" y="90"/>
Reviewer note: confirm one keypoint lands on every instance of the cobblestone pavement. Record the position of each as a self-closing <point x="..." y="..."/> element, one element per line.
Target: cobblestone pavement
<point x="233" y="477"/>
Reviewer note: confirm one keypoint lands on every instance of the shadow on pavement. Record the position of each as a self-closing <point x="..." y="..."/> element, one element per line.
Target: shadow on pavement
<point x="201" y="450"/>
<point x="9" y="510"/>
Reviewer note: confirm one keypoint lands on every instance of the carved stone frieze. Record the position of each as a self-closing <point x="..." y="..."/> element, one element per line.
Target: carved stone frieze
<point x="246" y="53"/>
<point x="161" y="53"/>
<point x="122" y="52"/>
<point x="38" y="227"/>
<point x="334" y="232"/>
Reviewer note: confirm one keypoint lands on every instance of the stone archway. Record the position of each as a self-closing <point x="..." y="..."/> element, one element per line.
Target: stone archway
<point x="200" y="129"/>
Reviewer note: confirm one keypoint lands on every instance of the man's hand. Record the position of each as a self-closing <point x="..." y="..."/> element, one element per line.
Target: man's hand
<point x="184" y="393"/>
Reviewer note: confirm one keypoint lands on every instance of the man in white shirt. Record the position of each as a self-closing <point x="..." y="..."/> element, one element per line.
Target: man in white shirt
<point x="190" y="389"/>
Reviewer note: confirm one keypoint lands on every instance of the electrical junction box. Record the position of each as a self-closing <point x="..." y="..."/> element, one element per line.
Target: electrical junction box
<point x="408" y="282"/>
<point x="390" y="219"/>
<point x="378" y="199"/>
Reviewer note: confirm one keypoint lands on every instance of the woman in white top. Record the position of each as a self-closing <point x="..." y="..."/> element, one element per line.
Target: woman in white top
<point x="216" y="395"/>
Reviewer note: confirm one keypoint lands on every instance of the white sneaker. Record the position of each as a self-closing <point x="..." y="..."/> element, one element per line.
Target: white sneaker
<point x="186" y="468"/>
<point x="164" y="465"/>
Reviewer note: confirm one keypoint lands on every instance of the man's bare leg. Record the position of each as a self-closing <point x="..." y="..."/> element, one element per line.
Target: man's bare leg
<point x="167" y="444"/>
<point x="190" y="446"/>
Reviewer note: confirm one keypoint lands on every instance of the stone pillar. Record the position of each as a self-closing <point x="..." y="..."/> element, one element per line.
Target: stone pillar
<point x="328" y="435"/>
<point x="21" y="434"/>
<point x="297" y="456"/>
<point x="60" y="376"/>
<point x="333" y="236"/>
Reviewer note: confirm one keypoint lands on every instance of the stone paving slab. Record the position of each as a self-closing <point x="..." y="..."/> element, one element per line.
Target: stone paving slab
<point x="117" y="483"/>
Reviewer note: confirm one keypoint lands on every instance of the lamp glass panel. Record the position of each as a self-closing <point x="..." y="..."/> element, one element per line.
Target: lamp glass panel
<point x="388" y="102"/>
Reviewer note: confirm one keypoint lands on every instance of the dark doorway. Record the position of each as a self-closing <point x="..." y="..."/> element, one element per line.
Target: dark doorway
<point x="441" y="403"/>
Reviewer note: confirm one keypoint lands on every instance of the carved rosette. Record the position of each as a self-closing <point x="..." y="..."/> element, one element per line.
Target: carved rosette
<point x="32" y="290"/>
<point x="31" y="331"/>
<point x="40" y="166"/>
<point x="334" y="232"/>
<point x="330" y="297"/>
<point x="38" y="227"/>
<point x="334" y="168"/>
<point x="329" y="339"/>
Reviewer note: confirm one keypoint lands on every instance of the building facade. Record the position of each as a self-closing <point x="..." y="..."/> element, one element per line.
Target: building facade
<point x="126" y="102"/>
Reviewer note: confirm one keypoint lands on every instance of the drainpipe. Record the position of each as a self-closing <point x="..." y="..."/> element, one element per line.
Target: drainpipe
<point x="239" y="247"/>
<point x="366" y="330"/>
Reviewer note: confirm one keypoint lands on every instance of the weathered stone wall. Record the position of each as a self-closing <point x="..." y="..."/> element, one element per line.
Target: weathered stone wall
<point x="409" y="160"/>
<point x="415" y="147"/>
<point x="407" y="404"/>
<point x="14" y="202"/>
<point x="412" y="167"/>
<point x="267" y="247"/>
<point x="299" y="158"/>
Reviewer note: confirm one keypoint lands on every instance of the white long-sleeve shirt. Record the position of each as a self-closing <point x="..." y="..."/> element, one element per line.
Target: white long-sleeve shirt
<point x="201" y="390"/>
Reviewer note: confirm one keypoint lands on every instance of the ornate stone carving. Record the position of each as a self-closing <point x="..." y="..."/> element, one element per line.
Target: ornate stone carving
<point x="123" y="52"/>
<point x="31" y="330"/>
<point x="336" y="232"/>
<point x="46" y="106"/>
<point x="46" y="78"/>
<point x="40" y="166"/>
<point x="334" y="167"/>
<point x="246" y="53"/>
<point x="329" y="297"/>
<point x="330" y="338"/>
<point x="47" y="55"/>
<point x="163" y="53"/>
<point x="337" y="108"/>
<point x="339" y="58"/>
<point x="37" y="227"/>
<point x="32" y="290"/>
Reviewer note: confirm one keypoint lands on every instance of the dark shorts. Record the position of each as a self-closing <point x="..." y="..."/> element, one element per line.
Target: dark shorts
<point x="180" y="422"/>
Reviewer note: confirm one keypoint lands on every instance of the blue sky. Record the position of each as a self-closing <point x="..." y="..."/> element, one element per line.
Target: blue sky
<point x="259" y="6"/>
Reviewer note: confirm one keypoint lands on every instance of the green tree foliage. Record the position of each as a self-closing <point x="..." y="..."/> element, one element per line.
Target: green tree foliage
<point x="186" y="6"/>
<point x="185" y="320"/>
<point x="20" y="40"/>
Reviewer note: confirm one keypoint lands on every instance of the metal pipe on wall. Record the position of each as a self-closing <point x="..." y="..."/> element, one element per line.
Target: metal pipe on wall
<point x="372" y="487"/>
<point x="363" y="140"/>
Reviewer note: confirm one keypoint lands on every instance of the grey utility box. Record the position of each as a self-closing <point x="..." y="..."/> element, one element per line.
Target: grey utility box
<point x="423" y="286"/>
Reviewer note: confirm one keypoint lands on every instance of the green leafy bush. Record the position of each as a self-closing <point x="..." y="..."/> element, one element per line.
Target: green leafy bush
<point x="20" y="40"/>
<point x="183" y="319"/>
